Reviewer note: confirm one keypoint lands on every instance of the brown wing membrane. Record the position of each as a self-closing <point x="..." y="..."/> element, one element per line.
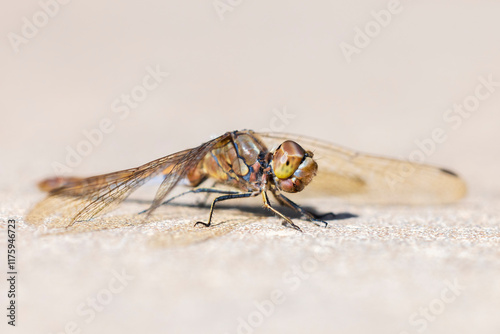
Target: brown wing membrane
<point x="80" y="199"/>
<point x="369" y="179"/>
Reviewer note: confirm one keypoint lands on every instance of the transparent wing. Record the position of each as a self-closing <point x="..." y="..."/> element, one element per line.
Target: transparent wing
<point x="369" y="179"/>
<point x="80" y="199"/>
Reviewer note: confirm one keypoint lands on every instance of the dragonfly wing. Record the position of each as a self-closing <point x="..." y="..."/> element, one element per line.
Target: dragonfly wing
<point x="186" y="162"/>
<point x="81" y="199"/>
<point x="370" y="179"/>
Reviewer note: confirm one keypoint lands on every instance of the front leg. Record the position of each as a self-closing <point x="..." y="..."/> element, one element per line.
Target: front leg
<point x="283" y="200"/>
<point x="288" y="221"/>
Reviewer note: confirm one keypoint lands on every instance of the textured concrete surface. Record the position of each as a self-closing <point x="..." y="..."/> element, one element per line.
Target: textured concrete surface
<point x="395" y="269"/>
<point x="267" y="65"/>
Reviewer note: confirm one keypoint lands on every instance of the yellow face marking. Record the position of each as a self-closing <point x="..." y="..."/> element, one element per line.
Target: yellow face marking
<point x="287" y="159"/>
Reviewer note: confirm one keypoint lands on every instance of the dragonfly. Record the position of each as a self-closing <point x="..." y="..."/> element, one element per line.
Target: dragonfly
<point x="256" y="164"/>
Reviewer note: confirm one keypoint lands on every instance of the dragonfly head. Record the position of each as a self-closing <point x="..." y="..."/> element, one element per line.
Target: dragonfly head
<point x="293" y="167"/>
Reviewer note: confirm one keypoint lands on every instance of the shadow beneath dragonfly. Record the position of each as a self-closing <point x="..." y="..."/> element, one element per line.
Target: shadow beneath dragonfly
<point x="256" y="210"/>
<point x="332" y="216"/>
<point x="228" y="217"/>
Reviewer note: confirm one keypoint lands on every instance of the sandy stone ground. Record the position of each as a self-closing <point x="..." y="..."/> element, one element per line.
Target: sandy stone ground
<point x="396" y="269"/>
<point x="101" y="86"/>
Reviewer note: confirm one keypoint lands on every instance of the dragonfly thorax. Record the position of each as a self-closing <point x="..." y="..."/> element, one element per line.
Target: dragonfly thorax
<point x="239" y="162"/>
<point x="244" y="162"/>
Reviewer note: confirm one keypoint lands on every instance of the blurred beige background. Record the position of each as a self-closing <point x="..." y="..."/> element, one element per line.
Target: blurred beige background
<point x="276" y="65"/>
<point x="232" y="74"/>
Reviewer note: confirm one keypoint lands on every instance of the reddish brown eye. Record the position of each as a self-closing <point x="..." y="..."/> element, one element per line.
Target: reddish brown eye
<point x="287" y="159"/>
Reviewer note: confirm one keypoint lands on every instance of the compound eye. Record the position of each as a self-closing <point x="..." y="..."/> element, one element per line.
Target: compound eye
<point x="287" y="159"/>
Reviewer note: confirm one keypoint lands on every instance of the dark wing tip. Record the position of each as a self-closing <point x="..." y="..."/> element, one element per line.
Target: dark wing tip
<point x="449" y="172"/>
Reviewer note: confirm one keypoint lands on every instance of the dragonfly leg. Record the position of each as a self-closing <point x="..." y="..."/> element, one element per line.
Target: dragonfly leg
<point x="195" y="191"/>
<point x="203" y="201"/>
<point x="282" y="199"/>
<point x="201" y="190"/>
<point x="223" y="198"/>
<point x="288" y="221"/>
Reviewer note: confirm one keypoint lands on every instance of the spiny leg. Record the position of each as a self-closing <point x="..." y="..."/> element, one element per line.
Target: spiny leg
<point x="203" y="201"/>
<point x="223" y="198"/>
<point x="201" y="190"/>
<point x="267" y="204"/>
<point x="195" y="191"/>
<point x="282" y="199"/>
